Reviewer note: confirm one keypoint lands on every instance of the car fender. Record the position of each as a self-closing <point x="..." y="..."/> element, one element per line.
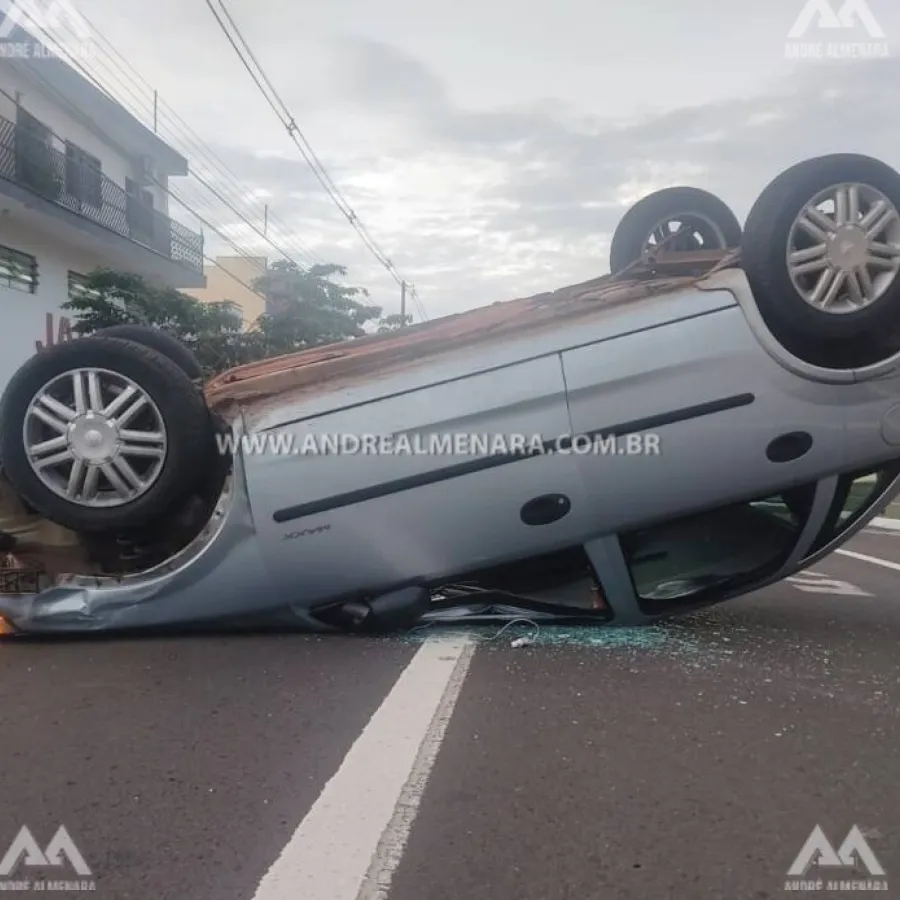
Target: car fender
<point x="208" y="579"/>
<point x="735" y="282"/>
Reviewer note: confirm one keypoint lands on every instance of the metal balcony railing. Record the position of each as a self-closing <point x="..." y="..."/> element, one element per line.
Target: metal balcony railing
<point x="31" y="161"/>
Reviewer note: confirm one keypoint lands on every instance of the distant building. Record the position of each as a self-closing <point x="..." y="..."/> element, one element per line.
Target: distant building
<point x="83" y="184"/>
<point x="226" y="280"/>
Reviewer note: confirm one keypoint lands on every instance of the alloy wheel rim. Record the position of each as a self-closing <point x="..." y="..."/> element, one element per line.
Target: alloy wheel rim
<point x="95" y="438"/>
<point x="843" y="249"/>
<point x="686" y="231"/>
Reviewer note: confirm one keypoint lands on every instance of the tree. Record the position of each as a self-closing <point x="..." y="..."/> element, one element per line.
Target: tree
<point x="213" y="331"/>
<point x="304" y="308"/>
<point x="307" y="308"/>
<point x="393" y="322"/>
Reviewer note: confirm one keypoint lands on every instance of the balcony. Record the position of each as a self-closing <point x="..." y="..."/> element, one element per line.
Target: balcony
<point x="30" y="159"/>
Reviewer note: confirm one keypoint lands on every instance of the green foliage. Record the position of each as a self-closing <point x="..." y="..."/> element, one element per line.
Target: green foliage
<point x="307" y="308"/>
<point x="303" y="309"/>
<point x="393" y="322"/>
<point x="211" y="330"/>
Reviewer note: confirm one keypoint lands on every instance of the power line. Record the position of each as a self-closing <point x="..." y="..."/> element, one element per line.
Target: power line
<point x="281" y="110"/>
<point x="263" y="83"/>
<point x="127" y="87"/>
<point x="258" y="230"/>
<point x="240" y="281"/>
<point x="216" y="163"/>
<point x="174" y="195"/>
<point x="205" y="151"/>
<point x="418" y="303"/>
<point x="67" y="104"/>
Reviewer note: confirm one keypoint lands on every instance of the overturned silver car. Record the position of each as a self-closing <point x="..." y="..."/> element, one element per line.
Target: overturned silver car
<point x="719" y="412"/>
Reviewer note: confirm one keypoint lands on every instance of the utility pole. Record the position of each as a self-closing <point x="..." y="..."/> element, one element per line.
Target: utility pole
<point x="266" y="220"/>
<point x="155" y="110"/>
<point x="402" y="304"/>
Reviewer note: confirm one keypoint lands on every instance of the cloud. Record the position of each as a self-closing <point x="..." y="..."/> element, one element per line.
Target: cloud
<point x="368" y="72"/>
<point x="477" y="205"/>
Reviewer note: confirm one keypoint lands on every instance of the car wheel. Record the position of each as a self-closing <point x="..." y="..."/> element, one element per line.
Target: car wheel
<point x="160" y="341"/>
<point x="686" y="218"/>
<point x="102" y="434"/>
<point x="821" y="250"/>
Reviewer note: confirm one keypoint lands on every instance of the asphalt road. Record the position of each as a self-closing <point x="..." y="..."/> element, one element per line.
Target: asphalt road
<point x="689" y="761"/>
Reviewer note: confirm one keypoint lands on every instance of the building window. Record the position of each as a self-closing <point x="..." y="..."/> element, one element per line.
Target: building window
<point x="84" y="179"/>
<point x="18" y="270"/>
<point x="142" y="195"/>
<point x="37" y="163"/>
<point x="78" y="288"/>
<point x="32" y="129"/>
<point x="139" y="212"/>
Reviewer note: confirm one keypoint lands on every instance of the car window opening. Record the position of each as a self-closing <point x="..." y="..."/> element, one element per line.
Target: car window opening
<point x="854" y="496"/>
<point x="700" y="558"/>
<point x="561" y="585"/>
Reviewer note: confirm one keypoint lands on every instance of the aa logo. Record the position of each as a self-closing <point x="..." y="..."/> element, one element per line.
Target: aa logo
<point x="59" y="847"/>
<point x="821" y="14"/>
<point x="818" y="851"/>
<point x="36" y="17"/>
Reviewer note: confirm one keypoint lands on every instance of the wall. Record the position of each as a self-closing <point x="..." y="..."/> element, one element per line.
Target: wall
<point x="115" y="164"/>
<point x="28" y="320"/>
<point x="223" y="282"/>
<point x="23" y="317"/>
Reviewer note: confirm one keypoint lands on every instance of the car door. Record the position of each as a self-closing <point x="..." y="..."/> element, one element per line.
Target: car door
<point x="707" y="403"/>
<point x="336" y="523"/>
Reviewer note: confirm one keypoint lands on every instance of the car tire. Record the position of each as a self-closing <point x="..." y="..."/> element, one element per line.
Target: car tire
<point x="709" y="216"/>
<point x="776" y="248"/>
<point x="169" y="436"/>
<point x="160" y="341"/>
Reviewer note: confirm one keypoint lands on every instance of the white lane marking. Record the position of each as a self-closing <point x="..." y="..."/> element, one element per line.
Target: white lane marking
<point x="377" y="883"/>
<point x="870" y="559"/>
<point x="887" y="524"/>
<point x="820" y="583"/>
<point x="332" y="851"/>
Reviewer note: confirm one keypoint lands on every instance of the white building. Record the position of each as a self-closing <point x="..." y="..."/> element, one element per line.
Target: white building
<point x="82" y="185"/>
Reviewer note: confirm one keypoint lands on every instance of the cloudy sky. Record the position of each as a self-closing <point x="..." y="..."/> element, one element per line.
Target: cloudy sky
<point x="489" y="146"/>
